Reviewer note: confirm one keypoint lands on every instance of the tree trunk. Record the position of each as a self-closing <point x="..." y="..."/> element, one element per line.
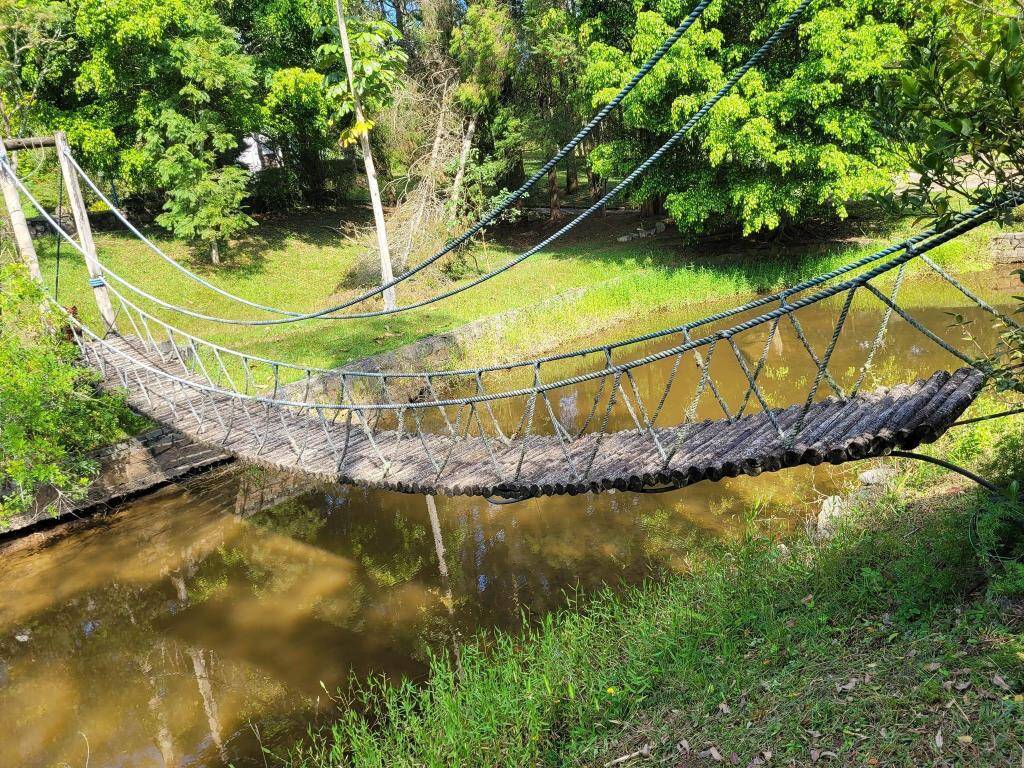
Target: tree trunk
<point x="386" y="273"/>
<point x="467" y="146"/>
<point x="554" y="201"/>
<point x="572" y="175"/>
<point x="594" y="185"/>
<point x="215" y="252"/>
<point x="518" y="174"/>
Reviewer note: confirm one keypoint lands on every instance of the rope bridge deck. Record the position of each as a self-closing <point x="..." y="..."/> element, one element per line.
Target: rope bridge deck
<point x="835" y="430"/>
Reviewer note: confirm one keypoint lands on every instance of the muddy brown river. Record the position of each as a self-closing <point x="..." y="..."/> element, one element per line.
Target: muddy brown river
<point x="222" y="615"/>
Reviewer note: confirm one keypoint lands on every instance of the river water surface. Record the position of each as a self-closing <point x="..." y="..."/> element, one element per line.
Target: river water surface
<point x="212" y="618"/>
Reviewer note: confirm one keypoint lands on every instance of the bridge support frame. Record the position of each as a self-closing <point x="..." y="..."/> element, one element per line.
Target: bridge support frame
<point x="22" y="237"/>
<point x="81" y="214"/>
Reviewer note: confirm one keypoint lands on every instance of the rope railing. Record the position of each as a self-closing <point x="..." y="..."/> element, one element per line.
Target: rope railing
<point x="786" y="307"/>
<point x="245" y="364"/>
<point x="610" y="196"/>
<point x="489" y="218"/>
<point x="615" y="433"/>
<point x="533" y="439"/>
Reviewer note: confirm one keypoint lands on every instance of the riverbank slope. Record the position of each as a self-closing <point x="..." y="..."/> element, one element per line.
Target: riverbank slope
<point x="898" y="641"/>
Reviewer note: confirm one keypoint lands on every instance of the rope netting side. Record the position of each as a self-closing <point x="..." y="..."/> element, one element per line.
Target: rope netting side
<point x="220" y="379"/>
<point x="294" y="371"/>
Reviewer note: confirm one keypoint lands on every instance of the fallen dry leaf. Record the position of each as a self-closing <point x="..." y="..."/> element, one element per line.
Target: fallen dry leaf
<point x="938" y="739"/>
<point x="683" y="747"/>
<point x="964" y="739"/>
<point x="849" y="685"/>
<point x="998" y="680"/>
<point x="933" y="667"/>
<point x="724" y="708"/>
<point x="713" y="753"/>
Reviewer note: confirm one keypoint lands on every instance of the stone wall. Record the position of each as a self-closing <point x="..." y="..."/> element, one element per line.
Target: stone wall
<point x="1008" y="248"/>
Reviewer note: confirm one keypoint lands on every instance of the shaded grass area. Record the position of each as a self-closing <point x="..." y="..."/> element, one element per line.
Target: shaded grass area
<point x="896" y="642"/>
<point x="299" y="263"/>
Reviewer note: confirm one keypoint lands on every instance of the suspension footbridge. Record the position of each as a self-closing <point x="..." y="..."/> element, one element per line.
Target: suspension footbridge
<point x="507" y="431"/>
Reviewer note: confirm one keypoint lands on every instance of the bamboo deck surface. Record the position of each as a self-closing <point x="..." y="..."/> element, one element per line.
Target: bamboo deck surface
<point x="836" y="431"/>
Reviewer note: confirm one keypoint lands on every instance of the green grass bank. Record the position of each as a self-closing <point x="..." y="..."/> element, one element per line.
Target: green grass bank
<point x="896" y="642"/>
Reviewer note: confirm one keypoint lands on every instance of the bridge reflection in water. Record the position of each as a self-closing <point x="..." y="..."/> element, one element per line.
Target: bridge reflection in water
<point x="195" y="624"/>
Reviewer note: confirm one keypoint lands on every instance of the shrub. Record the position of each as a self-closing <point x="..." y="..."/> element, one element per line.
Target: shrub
<point x="51" y="414"/>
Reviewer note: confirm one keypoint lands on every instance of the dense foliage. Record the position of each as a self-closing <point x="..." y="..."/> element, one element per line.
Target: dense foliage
<point x="50" y="414"/>
<point x="795" y="140"/>
<point x="958" y="109"/>
<point x="958" y="105"/>
<point x="159" y="96"/>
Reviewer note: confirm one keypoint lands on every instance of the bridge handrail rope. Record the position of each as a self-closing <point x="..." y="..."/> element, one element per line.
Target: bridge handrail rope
<point x="1007" y="199"/>
<point x="487" y="219"/>
<point x="587" y="351"/>
<point x="614" y="193"/>
<point x="617" y="370"/>
<point x="781" y="296"/>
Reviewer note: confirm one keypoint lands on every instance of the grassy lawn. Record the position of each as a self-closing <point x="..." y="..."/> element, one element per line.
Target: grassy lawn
<point x="299" y="263"/>
<point x="894" y="643"/>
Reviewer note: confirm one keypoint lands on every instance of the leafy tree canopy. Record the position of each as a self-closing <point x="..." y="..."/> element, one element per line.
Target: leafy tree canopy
<point x="796" y="139"/>
<point x="957" y="108"/>
<point x="377" y="67"/>
<point x="483" y="45"/>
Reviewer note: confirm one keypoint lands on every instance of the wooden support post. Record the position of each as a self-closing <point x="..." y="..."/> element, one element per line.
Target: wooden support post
<point x="22" y="237"/>
<point x="29" y="142"/>
<point x="81" y="214"/>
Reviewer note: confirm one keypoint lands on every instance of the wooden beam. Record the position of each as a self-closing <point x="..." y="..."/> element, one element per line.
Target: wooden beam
<point x="81" y="214"/>
<point x="29" y="142"/>
<point x="22" y="237"/>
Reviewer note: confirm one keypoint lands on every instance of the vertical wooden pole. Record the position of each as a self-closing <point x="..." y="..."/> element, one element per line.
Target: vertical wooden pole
<point x="386" y="272"/>
<point x="22" y="237"/>
<point x="81" y="214"/>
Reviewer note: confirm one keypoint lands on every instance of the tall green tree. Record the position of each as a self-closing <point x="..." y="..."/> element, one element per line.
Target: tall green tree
<point x="35" y="38"/>
<point x="297" y="118"/>
<point x="483" y="46"/>
<point x="796" y="139"/>
<point x="550" y="79"/>
<point x="168" y="92"/>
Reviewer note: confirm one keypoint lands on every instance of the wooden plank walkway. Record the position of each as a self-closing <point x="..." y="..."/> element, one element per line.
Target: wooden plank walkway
<point x="870" y="424"/>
